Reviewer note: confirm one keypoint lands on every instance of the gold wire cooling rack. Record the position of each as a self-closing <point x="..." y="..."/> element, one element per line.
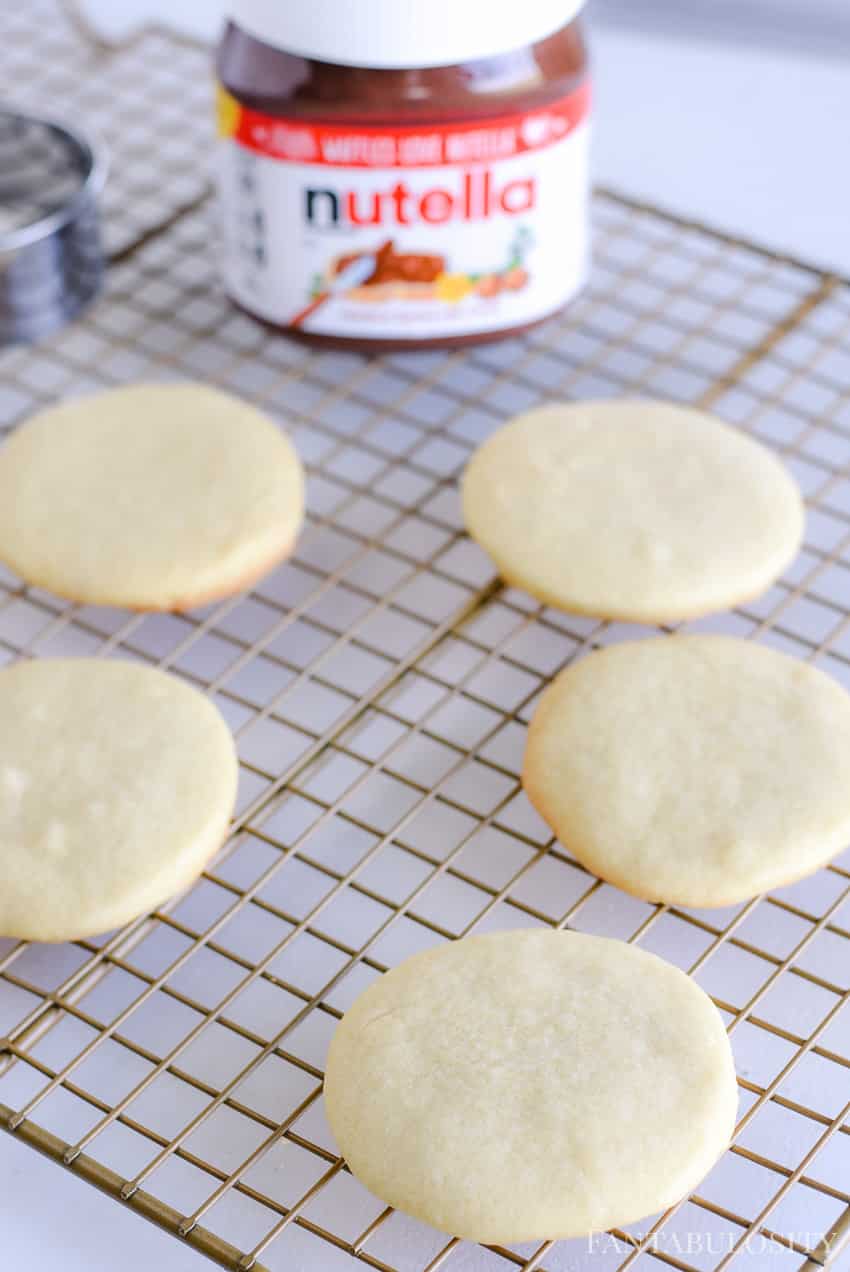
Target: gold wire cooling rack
<point x="379" y="686"/>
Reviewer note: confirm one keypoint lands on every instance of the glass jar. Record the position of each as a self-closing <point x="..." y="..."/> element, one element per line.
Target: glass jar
<point x="396" y="177"/>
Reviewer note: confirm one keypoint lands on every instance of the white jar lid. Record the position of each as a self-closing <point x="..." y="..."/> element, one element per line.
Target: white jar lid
<point x="401" y="33"/>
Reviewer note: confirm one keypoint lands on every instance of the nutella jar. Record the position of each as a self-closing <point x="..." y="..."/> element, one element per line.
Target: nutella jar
<point x="404" y="174"/>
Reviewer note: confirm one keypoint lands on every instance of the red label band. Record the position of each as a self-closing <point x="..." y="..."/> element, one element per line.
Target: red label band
<point x="442" y="145"/>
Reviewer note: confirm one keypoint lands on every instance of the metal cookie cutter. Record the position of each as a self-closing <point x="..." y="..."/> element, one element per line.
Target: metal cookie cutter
<point x="51" y="253"/>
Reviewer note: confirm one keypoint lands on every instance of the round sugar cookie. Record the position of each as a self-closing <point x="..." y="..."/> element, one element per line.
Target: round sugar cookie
<point x="531" y="1085"/>
<point x="155" y="497"/>
<point x="695" y="770"/>
<point x="117" y="785"/>
<point x="632" y="510"/>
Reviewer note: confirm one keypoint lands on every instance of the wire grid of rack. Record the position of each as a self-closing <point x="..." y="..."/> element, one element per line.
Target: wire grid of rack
<point x="379" y="686"/>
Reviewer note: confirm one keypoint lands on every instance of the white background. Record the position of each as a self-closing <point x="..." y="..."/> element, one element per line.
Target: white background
<point x="738" y="118"/>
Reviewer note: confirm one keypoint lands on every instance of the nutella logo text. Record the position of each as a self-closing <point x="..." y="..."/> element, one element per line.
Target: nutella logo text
<point x="477" y="196"/>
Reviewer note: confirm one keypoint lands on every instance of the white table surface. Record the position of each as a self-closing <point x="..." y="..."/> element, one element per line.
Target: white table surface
<point x="80" y="1229"/>
<point x="736" y="135"/>
<point x="741" y="134"/>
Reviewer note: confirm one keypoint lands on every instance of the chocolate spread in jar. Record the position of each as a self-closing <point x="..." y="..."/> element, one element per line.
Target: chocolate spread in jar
<point x="385" y="205"/>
